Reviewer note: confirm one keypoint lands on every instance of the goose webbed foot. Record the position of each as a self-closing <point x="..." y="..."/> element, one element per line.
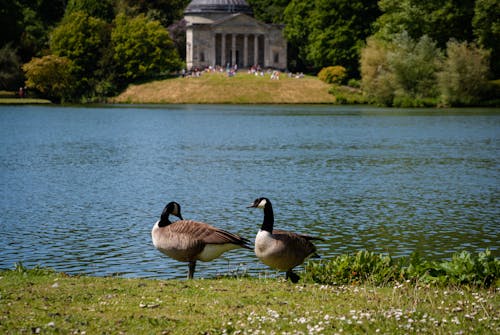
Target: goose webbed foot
<point x="294" y="278"/>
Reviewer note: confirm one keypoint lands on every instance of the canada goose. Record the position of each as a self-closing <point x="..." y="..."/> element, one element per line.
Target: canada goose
<point x="280" y="249"/>
<point x="189" y="241"/>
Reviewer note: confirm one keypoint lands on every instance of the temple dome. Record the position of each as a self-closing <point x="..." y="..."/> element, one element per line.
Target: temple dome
<point x="218" y="6"/>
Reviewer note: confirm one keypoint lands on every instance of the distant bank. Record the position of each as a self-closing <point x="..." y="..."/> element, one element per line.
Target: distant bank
<point x="221" y="88"/>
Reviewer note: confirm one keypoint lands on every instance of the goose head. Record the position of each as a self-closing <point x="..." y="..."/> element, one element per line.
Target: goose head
<point x="171" y="208"/>
<point x="260" y="203"/>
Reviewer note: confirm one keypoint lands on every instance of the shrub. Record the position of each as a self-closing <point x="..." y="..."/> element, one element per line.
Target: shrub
<point x="376" y="77"/>
<point x="463" y="80"/>
<point x="482" y="269"/>
<point x="52" y="76"/>
<point x="333" y="74"/>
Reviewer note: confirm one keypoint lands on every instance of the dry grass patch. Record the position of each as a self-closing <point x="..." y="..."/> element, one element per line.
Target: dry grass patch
<point x="218" y="88"/>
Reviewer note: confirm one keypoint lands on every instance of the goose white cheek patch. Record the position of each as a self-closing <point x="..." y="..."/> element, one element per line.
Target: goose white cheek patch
<point x="262" y="204"/>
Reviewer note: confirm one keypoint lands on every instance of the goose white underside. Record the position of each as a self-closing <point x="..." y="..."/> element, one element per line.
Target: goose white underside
<point x="269" y="252"/>
<point x="212" y="251"/>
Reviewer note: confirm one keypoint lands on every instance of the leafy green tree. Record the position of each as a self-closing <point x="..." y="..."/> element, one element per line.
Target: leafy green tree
<point x="401" y="72"/>
<point x="166" y="11"/>
<point x="103" y="9"/>
<point x="142" y="48"/>
<point x="11" y="16"/>
<point x="486" y="23"/>
<point x="438" y="19"/>
<point x="270" y="11"/>
<point x="330" y="31"/>
<point x="297" y="30"/>
<point x="463" y="80"/>
<point x="377" y="79"/>
<point x="52" y="76"/>
<point x="414" y="65"/>
<point x="82" y="39"/>
<point x="10" y="68"/>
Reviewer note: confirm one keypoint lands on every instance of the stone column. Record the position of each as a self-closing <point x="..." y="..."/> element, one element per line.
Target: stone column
<point x="245" y="51"/>
<point x="256" y="49"/>
<point x="223" y="50"/>
<point x="213" y="50"/>
<point x="233" y="50"/>
<point x="267" y="52"/>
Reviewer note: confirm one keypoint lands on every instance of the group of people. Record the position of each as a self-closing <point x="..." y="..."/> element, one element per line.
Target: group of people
<point x="231" y="71"/>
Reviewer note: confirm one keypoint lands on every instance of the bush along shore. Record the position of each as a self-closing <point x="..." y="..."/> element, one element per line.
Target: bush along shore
<point x="348" y="294"/>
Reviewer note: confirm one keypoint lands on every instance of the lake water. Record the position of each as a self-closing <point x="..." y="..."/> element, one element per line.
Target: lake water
<point x="82" y="187"/>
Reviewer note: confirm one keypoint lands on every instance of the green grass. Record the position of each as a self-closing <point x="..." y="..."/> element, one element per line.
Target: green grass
<point x="24" y="101"/>
<point x="42" y="301"/>
<point x="218" y="88"/>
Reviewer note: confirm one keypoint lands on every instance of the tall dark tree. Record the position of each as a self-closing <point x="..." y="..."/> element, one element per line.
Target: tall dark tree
<point x="269" y="11"/>
<point x="441" y="20"/>
<point x="486" y="25"/>
<point x="330" y="32"/>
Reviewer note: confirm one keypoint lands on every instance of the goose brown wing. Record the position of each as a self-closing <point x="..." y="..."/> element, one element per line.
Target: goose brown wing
<point x="298" y="242"/>
<point x="206" y="233"/>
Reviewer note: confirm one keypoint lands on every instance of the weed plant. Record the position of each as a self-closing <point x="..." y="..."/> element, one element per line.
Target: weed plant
<point x="479" y="270"/>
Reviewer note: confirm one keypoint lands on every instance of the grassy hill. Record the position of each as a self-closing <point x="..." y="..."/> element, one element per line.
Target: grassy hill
<point x="218" y="88"/>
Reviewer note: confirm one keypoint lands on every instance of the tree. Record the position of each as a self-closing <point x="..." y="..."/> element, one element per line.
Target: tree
<point x="82" y="39"/>
<point x="401" y="72"/>
<point x="102" y="9"/>
<point x="271" y="11"/>
<point x="463" y="80"/>
<point x="330" y="31"/>
<point x="50" y="75"/>
<point x="438" y="19"/>
<point x="142" y="48"/>
<point x="377" y="79"/>
<point x="486" y="23"/>
<point x="10" y="68"/>
<point x="297" y="30"/>
<point x="414" y="65"/>
<point x="165" y="11"/>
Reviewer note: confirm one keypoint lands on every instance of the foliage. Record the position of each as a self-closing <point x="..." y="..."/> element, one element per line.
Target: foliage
<point x="270" y="11"/>
<point x="102" y="9"/>
<point x="52" y="76"/>
<point x="377" y="77"/>
<point x="348" y="95"/>
<point x="438" y="19"/>
<point x="329" y="32"/>
<point x="142" y="48"/>
<point x="401" y="72"/>
<point x="486" y="23"/>
<point x="333" y="74"/>
<point x="414" y="65"/>
<point x="165" y="11"/>
<point x="10" y="71"/>
<point x="82" y="39"/>
<point x="482" y="270"/>
<point x="463" y="79"/>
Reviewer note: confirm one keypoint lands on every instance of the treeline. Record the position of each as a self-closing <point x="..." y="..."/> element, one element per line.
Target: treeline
<point x="86" y="50"/>
<point x="410" y="52"/>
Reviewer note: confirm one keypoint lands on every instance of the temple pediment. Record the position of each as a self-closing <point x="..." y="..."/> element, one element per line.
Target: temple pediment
<point x="239" y="20"/>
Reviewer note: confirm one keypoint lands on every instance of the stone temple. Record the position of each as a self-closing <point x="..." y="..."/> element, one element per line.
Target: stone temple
<point x="225" y="33"/>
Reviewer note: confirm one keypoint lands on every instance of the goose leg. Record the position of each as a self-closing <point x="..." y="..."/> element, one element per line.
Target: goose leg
<point x="192" y="266"/>
<point x="292" y="276"/>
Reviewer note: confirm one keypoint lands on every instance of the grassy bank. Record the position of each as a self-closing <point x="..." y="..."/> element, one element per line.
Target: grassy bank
<point x="42" y="301"/>
<point x="11" y="98"/>
<point x="218" y="88"/>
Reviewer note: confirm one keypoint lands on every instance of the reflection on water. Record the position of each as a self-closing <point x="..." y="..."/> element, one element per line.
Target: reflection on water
<point x="82" y="187"/>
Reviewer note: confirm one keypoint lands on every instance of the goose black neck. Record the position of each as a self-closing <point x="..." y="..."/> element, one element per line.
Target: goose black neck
<point x="268" y="223"/>
<point x="164" y="220"/>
